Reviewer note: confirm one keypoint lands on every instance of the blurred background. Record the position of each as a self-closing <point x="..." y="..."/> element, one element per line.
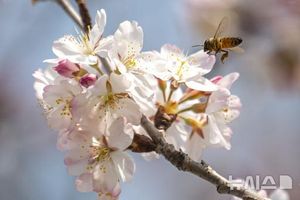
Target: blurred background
<point x="266" y="136"/>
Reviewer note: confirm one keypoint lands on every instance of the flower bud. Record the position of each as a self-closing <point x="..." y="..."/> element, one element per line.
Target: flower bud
<point x="162" y="85"/>
<point x="66" y="68"/>
<point x="174" y="85"/>
<point x="88" y="80"/>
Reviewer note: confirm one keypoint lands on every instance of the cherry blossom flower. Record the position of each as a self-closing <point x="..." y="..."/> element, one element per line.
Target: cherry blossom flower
<point x="126" y="51"/>
<point x="107" y="100"/>
<point x="87" y="48"/>
<point x="98" y="160"/>
<point x="189" y="69"/>
<point x="127" y="58"/>
<point x="127" y="45"/>
<point x="58" y="99"/>
<point x="210" y="128"/>
<point x="222" y="108"/>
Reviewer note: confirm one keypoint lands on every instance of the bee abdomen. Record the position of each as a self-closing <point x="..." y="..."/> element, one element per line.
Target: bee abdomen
<point x="229" y="42"/>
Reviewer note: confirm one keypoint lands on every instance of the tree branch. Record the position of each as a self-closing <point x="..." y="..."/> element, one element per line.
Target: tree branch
<point x="85" y="16"/>
<point x="68" y="8"/>
<point x="142" y="144"/>
<point x="184" y="163"/>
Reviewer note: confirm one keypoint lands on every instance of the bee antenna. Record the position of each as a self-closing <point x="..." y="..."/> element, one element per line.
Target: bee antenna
<point x="198" y="45"/>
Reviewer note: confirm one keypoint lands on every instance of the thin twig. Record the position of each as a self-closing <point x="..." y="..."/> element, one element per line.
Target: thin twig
<point x="68" y="8"/>
<point x="85" y="15"/>
<point x="183" y="162"/>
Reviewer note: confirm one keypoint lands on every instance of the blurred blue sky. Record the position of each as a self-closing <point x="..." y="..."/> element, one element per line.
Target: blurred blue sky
<point x="266" y="136"/>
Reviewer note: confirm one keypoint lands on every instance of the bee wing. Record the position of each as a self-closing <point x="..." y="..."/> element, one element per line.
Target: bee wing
<point x="222" y="26"/>
<point x="237" y="49"/>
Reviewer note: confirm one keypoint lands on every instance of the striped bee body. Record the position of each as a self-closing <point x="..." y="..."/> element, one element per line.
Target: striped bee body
<point x="222" y="45"/>
<point x="229" y="42"/>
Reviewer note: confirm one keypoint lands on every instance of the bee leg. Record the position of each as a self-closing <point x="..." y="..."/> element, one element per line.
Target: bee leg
<point x="224" y="55"/>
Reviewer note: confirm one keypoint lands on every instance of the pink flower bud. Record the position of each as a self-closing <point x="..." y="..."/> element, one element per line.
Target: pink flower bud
<point x="66" y="68"/>
<point x="216" y="79"/>
<point x="88" y="80"/>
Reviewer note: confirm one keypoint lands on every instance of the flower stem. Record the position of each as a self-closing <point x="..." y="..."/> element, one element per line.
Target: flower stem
<point x="185" y="110"/>
<point x="96" y="67"/>
<point x="170" y="95"/>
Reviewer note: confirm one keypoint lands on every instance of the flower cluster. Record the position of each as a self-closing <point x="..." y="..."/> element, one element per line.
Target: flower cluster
<point x="96" y="90"/>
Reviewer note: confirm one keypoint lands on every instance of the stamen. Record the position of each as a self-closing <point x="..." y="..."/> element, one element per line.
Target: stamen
<point x="66" y="110"/>
<point x="130" y="62"/>
<point x="98" y="155"/>
<point x="180" y="68"/>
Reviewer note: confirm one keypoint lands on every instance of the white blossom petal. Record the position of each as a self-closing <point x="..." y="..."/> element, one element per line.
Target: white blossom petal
<point x="218" y="100"/>
<point x="129" y="109"/>
<point x="99" y="88"/>
<point x="119" y="83"/>
<point x="67" y="45"/>
<point x="98" y="28"/>
<point x="120" y="134"/>
<point x="84" y="183"/>
<point x="228" y="80"/>
<point x="42" y="79"/>
<point x="201" y="84"/>
<point x="58" y="121"/>
<point x="171" y="52"/>
<point x="124" y="165"/>
<point x="105" y="177"/>
<point x="129" y="39"/>
<point x="194" y="147"/>
<point x="110" y="195"/>
<point x="202" y="61"/>
<point x="213" y="134"/>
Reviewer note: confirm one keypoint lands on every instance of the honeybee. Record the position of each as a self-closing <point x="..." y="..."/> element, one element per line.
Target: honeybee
<point x="219" y="44"/>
